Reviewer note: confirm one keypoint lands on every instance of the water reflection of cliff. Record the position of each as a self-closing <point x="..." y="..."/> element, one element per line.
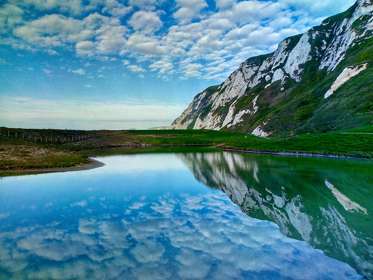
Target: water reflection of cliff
<point x="327" y="203"/>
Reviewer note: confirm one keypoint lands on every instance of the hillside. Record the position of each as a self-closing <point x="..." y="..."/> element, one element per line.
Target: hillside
<point x="321" y="80"/>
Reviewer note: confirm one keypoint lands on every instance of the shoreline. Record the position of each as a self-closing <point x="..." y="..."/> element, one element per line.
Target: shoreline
<point x="294" y="154"/>
<point x="92" y="164"/>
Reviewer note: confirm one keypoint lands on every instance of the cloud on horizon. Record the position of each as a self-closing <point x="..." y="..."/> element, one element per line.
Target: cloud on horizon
<point x="29" y="112"/>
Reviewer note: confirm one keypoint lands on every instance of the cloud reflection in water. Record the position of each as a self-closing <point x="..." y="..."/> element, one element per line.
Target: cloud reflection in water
<point x="194" y="234"/>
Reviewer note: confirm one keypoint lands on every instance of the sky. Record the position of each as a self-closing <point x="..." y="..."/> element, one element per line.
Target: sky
<point x="121" y="64"/>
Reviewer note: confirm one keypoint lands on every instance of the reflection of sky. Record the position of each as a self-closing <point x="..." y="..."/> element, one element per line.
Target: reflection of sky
<point x="155" y="223"/>
<point x="139" y="163"/>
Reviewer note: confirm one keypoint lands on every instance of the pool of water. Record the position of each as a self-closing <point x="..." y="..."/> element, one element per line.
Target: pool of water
<point x="190" y="216"/>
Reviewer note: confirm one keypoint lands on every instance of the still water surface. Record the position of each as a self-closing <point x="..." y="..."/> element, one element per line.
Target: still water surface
<point x="191" y="216"/>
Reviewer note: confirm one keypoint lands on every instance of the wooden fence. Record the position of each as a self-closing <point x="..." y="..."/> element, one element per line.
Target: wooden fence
<point x="45" y="136"/>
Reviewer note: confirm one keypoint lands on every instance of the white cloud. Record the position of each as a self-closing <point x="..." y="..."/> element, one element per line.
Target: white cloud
<point x="162" y="66"/>
<point x="10" y="16"/>
<point x="135" y="68"/>
<point x="77" y="7"/>
<point x="50" y="30"/>
<point x="116" y="8"/>
<point x="144" y="4"/>
<point x="79" y="71"/>
<point x="217" y="39"/>
<point x="325" y="7"/>
<point x="189" y="9"/>
<point x="69" y="6"/>
<point x="95" y="34"/>
<point x="249" y="11"/>
<point x="85" y="48"/>
<point x="280" y="22"/>
<point x="192" y="70"/>
<point x="224" y="4"/>
<point x="145" y="45"/>
<point x="221" y="24"/>
<point x="47" y="71"/>
<point x="111" y="39"/>
<point x="108" y="32"/>
<point x="145" y="21"/>
<point x="33" y="112"/>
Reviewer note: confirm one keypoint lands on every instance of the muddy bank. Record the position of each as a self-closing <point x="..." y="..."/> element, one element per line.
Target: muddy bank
<point x="92" y="164"/>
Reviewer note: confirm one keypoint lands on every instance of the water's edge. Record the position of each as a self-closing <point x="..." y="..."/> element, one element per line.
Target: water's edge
<point x="293" y="154"/>
<point x="92" y="164"/>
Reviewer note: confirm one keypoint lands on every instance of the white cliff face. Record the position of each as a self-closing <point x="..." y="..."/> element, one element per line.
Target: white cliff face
<point x="284" y="62"/>
<point x="281" y="54"/>
<point x="325" y="46"/>
<point x="183" y="121"/>
<point x="346" y="75"/>
<point x="252" y="73"/>
<point x="233" y="119"/>
<point x="345" y="36"/>
<point x="336" y="51"/>
<point x="235" y="86"/>
<point x="278" y="75"/>
<point x="259" y="131"/>
<point x="364" y="7"/>
<point x="298" y="57"/>
<point x="211" y="121"/>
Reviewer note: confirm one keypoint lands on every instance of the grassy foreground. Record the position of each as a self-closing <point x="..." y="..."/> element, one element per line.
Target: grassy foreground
<point x="25" y="151"/>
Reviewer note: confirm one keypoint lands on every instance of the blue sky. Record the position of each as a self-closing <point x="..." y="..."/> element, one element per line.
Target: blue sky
<point x="122" y="64"/>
